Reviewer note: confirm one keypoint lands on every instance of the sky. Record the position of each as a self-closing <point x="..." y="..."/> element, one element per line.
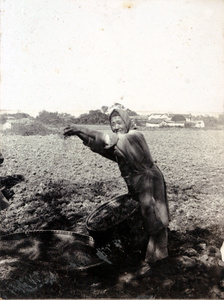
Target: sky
<point x="77" y="55"/>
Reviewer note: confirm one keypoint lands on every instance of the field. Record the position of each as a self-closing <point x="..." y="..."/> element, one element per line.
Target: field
<point x="57" y="183"/>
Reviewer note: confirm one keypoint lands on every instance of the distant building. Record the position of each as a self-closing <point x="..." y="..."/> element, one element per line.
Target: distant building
<point x="158" y="116"/>
<point x="169" y="120"/>
<point x="195" y="124"/>
<point x="8" y="124"/>
<point x="154" y="122"/>
<point x="169" y="123"/>
<point x="155" y="119"/>
<point x="200" y="124"/>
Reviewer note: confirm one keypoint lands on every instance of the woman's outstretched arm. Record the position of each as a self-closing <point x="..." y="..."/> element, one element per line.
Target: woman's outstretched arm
<point x="82" y="132"/>
<point x="91" y="137"/>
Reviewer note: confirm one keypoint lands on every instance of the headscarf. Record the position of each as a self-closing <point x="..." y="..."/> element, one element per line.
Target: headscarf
<point x="125" y="117"/>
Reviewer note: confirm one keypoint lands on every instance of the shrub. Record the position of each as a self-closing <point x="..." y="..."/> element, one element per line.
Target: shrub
<point x="29" y="128"/>
<point x="93" y="117"/>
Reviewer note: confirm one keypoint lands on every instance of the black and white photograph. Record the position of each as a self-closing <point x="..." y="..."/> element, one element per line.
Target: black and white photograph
<point x="112" y="149"/>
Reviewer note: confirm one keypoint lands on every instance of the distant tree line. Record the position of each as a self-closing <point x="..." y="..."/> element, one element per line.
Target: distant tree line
<point x="99" y="116"/>
<point x="54" y="118"/>
<point x="93" y="117"/>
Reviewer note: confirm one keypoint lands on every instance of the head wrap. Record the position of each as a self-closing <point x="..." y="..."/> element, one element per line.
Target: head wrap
<point x="125" y="117"/>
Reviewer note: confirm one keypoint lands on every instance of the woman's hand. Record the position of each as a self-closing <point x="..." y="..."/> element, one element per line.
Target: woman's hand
<point x="70" y="130"/>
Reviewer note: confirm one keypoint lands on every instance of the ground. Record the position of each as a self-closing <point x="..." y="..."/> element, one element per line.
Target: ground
<point x="57" y="183"/>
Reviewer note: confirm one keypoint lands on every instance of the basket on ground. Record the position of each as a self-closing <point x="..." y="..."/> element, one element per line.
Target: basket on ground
<point x="119" y="219"/>
<point x="111" y="213"/>
<point x="54" y="249"/>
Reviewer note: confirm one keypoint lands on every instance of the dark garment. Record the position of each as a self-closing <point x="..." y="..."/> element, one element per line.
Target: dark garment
<point x="143" y="178"/>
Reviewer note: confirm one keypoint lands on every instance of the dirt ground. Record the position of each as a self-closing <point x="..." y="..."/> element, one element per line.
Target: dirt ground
<point x="57" y="183"/>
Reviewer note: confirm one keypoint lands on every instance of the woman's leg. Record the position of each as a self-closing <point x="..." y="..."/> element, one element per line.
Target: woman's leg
<point x="153" y="216"/>
<point x="156" y="250"/>
<point x="152" y="198"/>
<point x="150" y="213"/>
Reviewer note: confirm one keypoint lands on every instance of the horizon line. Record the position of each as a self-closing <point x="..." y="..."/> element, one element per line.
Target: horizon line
<point x="79" y="112"/>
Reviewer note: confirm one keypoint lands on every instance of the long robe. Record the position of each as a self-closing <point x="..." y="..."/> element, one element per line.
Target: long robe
<point x="144" y="180"/>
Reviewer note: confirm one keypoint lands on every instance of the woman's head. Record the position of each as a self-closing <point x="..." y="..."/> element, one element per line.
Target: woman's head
<point x="120" y="121"/>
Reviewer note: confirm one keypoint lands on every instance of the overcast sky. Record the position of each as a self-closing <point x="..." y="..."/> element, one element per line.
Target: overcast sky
<point x="76" y="55"/>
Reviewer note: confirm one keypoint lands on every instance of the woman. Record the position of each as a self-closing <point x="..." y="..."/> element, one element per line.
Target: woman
<point x="144" y="180"/>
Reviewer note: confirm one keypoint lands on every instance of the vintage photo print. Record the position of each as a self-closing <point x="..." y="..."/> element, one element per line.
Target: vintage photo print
<point x="111" y="149"/>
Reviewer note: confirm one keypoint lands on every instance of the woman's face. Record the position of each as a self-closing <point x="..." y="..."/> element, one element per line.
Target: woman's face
<point x="118" y="125"/>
